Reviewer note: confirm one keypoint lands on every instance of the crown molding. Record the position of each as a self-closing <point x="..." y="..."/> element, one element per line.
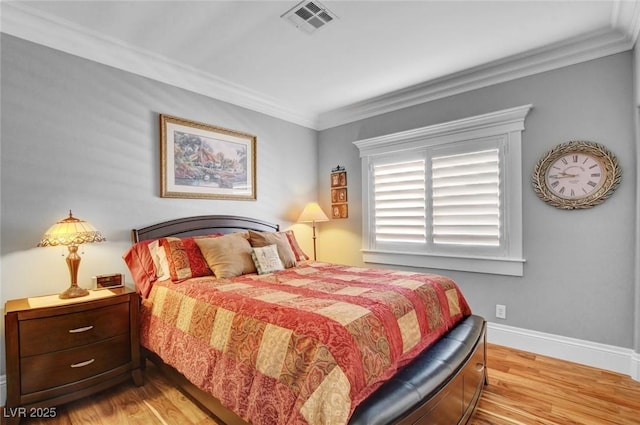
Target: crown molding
<point x="580" y="49"/>
<point x="625" y="16"/>
<point x="621" y="36"/>
<point x="24" y="22"/>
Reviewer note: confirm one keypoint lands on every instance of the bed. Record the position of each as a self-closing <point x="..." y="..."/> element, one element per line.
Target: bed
<point x="308" y="343"/>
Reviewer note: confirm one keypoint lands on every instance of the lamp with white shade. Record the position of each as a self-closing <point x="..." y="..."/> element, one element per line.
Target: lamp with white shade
<point x="313" y="214"/>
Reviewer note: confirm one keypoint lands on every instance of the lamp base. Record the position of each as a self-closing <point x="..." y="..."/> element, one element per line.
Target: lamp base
<point x="73" y="292"/>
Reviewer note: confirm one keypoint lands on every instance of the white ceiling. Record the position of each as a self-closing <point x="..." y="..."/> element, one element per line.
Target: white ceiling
<point x="377" y="56"/>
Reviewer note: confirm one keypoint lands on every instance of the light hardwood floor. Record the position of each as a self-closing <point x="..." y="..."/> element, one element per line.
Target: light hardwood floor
<point x="523" y="389"/>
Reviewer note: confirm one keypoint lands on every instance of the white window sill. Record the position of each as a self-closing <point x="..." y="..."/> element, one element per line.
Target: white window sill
<point x="500" y="266"/>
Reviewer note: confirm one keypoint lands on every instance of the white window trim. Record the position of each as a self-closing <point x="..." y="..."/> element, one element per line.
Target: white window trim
<point x="508" y="123"/>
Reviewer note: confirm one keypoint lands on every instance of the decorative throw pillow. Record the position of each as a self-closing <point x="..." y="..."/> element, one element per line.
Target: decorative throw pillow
<point x="140" y="263"/>
<point x="266" y="259"/>
<point x="280" y="240"/>
<point x="297" y="251"/>
<point x="159" y="256"/>
<point x="184" y="258"/>
<point x="228" y="255"/>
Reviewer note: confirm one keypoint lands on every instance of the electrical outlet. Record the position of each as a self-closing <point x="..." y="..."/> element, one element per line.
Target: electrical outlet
<point x="501" y="311"/>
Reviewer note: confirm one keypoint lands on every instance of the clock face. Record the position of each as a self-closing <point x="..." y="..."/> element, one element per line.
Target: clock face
<point x="575" y="175"/>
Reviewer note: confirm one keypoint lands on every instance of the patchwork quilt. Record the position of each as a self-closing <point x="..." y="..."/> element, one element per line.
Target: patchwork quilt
<point x="300" y="346"/>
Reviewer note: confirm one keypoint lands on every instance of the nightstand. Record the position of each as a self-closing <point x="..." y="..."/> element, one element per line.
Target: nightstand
<point x="62" y="350"/>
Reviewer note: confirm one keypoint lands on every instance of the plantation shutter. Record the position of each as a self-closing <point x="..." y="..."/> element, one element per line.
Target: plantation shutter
<point x="466" y="199"/>
<point x="399" y="202"/>
<point x="447" y="195"/>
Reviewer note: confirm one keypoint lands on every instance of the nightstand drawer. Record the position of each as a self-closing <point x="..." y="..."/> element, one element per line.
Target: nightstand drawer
<point x="63" y="367"/>
<point x="44" y="335"/>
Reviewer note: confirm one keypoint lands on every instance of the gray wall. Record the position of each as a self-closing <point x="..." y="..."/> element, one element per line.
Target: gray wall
<point x="83" y="136"/>
<point x="579" y="274"/>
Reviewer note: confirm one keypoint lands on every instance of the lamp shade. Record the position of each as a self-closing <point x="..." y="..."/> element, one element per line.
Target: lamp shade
<point x="71" y="231"/>
<point x="312" y="213"/>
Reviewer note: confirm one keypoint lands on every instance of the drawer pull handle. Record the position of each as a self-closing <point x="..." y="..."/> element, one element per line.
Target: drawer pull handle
<point x="83" y="364"/>
<point x="479" y="367"/>
<point x="78" y="330"/>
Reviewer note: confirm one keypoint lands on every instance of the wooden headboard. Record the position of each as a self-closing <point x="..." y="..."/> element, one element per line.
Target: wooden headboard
<point x="202" y="225"/>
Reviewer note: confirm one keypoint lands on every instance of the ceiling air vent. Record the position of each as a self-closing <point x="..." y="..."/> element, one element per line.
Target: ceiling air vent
<point x="309" y="16"/>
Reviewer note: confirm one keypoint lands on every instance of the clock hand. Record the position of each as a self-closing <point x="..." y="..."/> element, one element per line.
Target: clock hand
<point x="565" y="176"/>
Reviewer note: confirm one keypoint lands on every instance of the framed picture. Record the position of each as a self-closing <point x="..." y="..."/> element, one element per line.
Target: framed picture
<point x="339" y="179"/>
<point x="339" y="206"/>
<point x="204" y="161"/>
<point x="340" y="211"/>
<point x="339" y="195"/>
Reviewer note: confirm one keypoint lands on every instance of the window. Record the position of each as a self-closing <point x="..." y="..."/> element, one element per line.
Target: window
<point x="446" y="196"/>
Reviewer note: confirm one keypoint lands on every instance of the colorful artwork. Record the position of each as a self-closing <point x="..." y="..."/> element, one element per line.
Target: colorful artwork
<point x="203" y="161"/>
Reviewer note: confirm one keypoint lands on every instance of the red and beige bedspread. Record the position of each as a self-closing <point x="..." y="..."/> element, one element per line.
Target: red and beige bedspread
<point x="302" y="346"/>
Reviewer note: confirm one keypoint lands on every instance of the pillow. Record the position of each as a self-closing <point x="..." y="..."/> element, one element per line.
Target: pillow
<point x="280" y="240"/>
<point x="159" y="256"/>
<point x="184" y="258"/>
<point x="266" y="259"/>
<point x="297" y="251"/>
<point x="228" y="255"/>
<point x="141" y="265"/>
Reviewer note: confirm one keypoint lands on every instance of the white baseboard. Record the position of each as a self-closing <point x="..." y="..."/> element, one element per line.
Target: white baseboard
<point x="603" y="356"/>
<point x="608" y="357"/>
<point x="635" y="366"/>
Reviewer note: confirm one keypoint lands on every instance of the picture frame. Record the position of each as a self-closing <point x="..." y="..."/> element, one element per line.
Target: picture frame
<point x="339" y="195"/>
<point x="339" y="179"/>
<point x="203" y="161"/>
<point x="339" y="198"/>
<point x="339" y="211"/>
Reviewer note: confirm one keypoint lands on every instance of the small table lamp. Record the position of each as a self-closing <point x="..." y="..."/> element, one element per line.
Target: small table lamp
<point x="312" y="213"/>
<point x="72" y="232"/>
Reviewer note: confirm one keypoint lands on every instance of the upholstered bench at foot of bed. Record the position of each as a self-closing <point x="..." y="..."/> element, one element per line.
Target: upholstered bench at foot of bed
<point x="442" y="385"/>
